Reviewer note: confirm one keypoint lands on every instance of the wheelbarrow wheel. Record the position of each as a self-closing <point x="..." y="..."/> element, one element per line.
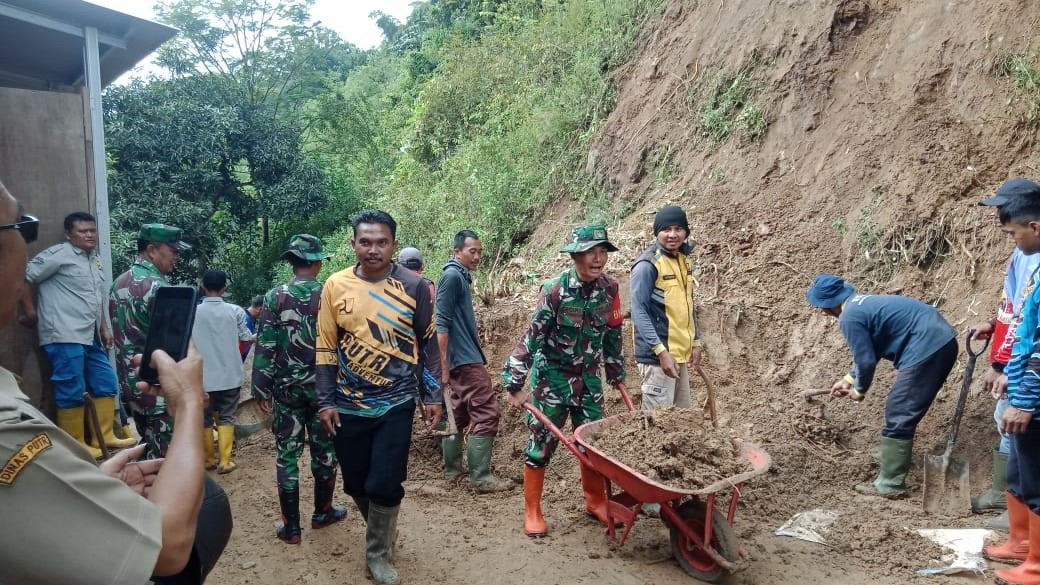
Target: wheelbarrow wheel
<point x="692" y="558"/>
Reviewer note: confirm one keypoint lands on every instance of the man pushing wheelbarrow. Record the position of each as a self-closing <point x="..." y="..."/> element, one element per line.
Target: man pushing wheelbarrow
<point x="576" y="326"/>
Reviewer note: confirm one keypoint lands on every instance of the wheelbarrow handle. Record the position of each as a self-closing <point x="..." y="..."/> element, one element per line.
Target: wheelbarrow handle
<point x="627" y="398"/>
<point x="567" y="440"/>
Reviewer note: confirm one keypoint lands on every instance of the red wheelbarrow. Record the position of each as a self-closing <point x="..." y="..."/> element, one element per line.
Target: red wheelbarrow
<point x="702" y="540"/>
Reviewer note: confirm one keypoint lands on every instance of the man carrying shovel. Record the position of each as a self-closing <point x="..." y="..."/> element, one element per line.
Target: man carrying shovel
<point x="921" y="345"/>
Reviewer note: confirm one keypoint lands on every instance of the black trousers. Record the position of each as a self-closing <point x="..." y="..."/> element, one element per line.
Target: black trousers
<point x="915" y="390"/>
<point x="1023" y="471"/>
<point x="373" y="454"/>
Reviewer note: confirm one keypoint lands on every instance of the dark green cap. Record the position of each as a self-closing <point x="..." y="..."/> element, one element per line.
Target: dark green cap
<point x="163" y="234"/>
<point x="306" y="247"/>
<point x="587" y="237"/>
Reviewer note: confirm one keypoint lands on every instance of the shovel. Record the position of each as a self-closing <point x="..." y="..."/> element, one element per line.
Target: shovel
<point x="946" y="486"/>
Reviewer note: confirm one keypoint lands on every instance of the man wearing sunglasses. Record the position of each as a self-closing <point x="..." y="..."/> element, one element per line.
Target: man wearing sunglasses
<point x="72" y="328"/>
<point x="119" y="522"/>
<point x="159" y="248"/>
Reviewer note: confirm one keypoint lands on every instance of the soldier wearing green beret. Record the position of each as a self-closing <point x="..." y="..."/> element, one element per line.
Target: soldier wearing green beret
<point x="283" y="381"/>
<point x="575" y="328"/>
<point x="159" y="248"/>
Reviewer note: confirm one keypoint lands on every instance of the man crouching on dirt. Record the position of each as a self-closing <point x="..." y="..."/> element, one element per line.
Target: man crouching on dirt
<point x="576" y="326"/>
<point x="1020" y="219"/>
<point x="920" y="344"/>
<point x="375" y="334"/>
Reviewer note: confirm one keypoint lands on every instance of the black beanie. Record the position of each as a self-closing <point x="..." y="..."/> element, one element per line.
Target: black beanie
<point x="670" y="215"/>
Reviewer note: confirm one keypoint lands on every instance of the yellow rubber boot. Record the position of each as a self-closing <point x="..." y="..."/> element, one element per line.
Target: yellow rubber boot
<point x="208" y="450"/>
<point x="106" y="409"/>
<point x="70" y="420"/>
<point x="226" y="442"/>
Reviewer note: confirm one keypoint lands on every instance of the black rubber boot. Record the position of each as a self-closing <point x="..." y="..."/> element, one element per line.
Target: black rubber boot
<point x="324" y="512"/>
<point x="289" y="530"/>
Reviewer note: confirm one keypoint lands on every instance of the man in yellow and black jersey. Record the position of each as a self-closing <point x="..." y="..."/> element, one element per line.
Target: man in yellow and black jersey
<point x="667" y="339"/>
<point x="375" y="335"/>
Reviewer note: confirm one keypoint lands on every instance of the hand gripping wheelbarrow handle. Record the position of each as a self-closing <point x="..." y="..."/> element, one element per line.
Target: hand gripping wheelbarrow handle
<point x="568" y="440"/>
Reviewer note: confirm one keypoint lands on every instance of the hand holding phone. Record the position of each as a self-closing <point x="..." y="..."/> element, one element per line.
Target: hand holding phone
<point x="182" y="382"/>
<point x="169" y="327"/>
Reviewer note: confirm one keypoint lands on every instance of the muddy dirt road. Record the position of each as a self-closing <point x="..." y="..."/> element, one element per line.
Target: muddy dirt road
<point x="450" y="535"/>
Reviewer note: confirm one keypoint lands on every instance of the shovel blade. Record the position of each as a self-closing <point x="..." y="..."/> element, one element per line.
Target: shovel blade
<point x="946" y="486"/>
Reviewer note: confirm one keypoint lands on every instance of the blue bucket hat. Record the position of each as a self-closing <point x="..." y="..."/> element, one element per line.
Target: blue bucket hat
<point x="828" y="291"/>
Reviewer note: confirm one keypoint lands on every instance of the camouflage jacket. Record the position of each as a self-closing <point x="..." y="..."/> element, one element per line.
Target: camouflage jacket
<point x="574" y="328"/>
<point x="129" y="302"/>
<point x="285" y="336"/>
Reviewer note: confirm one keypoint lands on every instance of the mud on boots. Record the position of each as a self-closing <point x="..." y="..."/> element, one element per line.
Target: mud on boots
<point x="451" y="448"/>
<point x="594" y="486"/>
<point x="289" y="530"/>
<point x="895" y="464"/>
<point x="478" y="452"/>
<point x="534" y="521"/>
<point x="379" y="543"/>
<point x="208" y="449"/>
<point x="1028" y="573"/>
<point x="325" y="513"/>
<point x="1016" y="548"/>
<point x="994" y="498"/>
<point x="226" y="444"/>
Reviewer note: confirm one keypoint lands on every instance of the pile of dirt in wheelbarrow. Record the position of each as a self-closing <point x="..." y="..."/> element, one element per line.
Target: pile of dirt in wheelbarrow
<point x="674" y="446"/>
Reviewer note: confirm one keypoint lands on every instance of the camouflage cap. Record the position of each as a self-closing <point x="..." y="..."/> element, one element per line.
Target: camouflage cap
<point x="587" y="237"/>
<point x="163" y="234"/>
<point x="306" y="247"/>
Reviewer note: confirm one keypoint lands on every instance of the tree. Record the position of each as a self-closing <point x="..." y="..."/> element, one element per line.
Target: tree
<point x="178" y="155"/>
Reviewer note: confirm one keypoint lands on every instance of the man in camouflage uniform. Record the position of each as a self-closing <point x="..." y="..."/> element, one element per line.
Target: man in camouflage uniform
<point x="159" y="248"/>
<point x="283" y="381"/>
<point x="576" y="326"/>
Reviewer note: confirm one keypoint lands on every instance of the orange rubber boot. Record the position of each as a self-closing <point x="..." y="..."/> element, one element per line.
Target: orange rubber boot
<point x="534" y="522"/>
<point x="1016" y="548"/>
<point x="595" y="487"/>
<point x="1028" y="573"/>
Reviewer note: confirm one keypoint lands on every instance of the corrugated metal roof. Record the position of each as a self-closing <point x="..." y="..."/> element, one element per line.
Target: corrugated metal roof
<point x="41" y="42"/>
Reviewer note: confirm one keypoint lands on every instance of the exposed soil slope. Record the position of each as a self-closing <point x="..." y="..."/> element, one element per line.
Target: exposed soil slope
<point x="887" y="122"/>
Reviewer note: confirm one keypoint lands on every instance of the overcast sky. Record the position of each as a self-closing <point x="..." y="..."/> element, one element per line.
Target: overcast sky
<point x="347" y="17"/>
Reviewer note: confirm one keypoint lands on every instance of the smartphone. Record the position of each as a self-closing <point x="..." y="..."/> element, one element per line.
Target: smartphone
<point x="169" y="328"/>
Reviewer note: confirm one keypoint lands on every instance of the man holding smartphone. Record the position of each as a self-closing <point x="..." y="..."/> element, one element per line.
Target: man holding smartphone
<point x="120" y="522"/>
<point x="159" y="248"/>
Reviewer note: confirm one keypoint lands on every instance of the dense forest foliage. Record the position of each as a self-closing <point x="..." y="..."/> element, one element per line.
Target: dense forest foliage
<point x="472" y="114"/>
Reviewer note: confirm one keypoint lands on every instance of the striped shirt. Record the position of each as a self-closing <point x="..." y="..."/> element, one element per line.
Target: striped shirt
<point x="1023" y="371"/>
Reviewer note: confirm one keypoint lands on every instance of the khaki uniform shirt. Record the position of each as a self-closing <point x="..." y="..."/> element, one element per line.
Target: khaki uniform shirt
<point x="66" y="521"/>
<point x="72" y="293"/>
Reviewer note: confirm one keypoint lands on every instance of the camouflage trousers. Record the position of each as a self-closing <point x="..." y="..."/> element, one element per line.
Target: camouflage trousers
<point x="582" y="404"/>
<point x="156" y="430"/>
<point x="296" y="422"/>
